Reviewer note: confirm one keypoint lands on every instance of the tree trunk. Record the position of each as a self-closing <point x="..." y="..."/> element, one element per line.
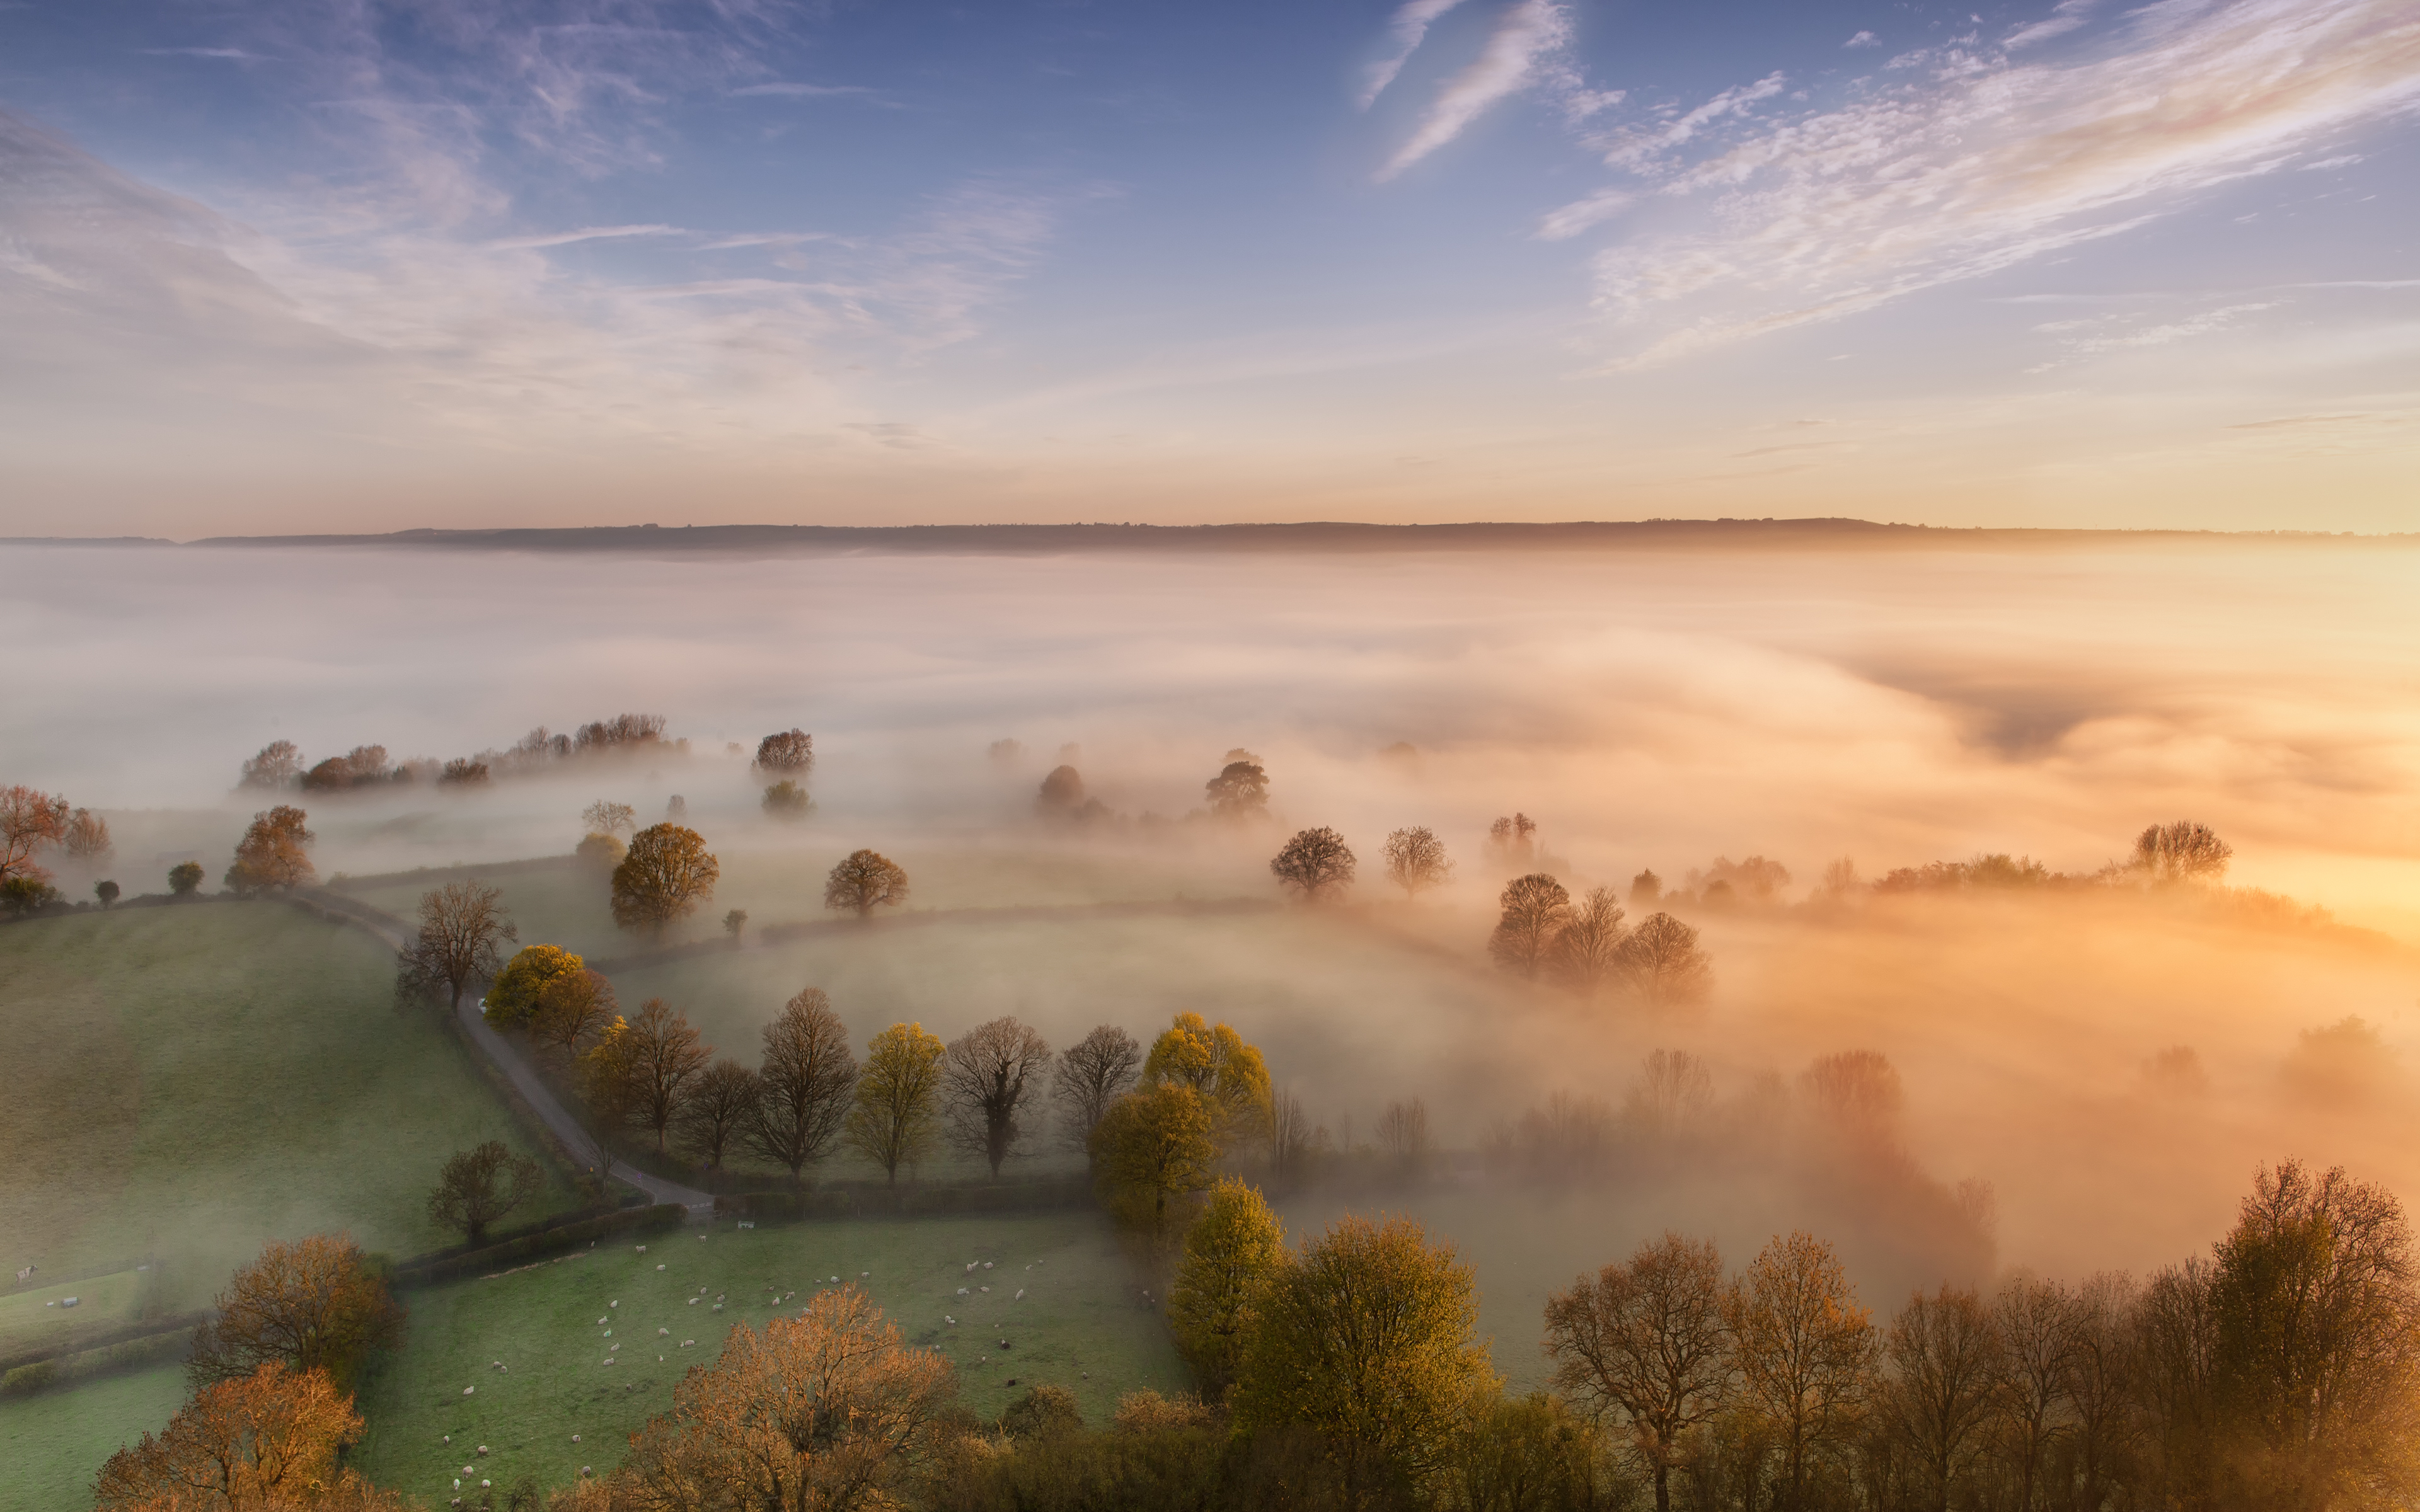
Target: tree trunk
<point x="1663" y="1485"/>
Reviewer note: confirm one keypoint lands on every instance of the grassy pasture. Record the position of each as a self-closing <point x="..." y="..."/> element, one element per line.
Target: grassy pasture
<point x="58" y="1441"/>
<point x="1081" y="1315"/>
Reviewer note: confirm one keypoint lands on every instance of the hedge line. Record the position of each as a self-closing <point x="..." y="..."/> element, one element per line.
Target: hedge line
<point x="537" y="1245"/>
<point x="856" y="1200"/>
<point x="84" y="1340"/>
<point x="506" y="1236"/>
<point x="108" y="1360"/>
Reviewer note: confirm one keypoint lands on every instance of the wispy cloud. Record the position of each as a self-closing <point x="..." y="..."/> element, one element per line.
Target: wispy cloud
<point x="589" y="233"/>
<point x="1526" y="34"/>
<point x="1863" y="39"/>
<point x="1405" y="34"/>
<point x="1577" y="217"/>
<point x="802" y="92"/>
<point x="2064" y="17"/>
<point x="232" y="53"/>
<point x="1981" y="162"/>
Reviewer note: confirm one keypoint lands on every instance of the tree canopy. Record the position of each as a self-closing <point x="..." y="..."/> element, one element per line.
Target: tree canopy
<point x="863" y="882"/>
<point x="892" y="1120"/>
<point x="275" y="853"/>
<point x="1315" y="864"/>
<point x="666" y="874"/>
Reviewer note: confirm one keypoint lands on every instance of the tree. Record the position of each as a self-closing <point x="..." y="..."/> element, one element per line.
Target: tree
<point x="1231" y="1252"/>
<point x="1945" y="1356"/>
<point x="1403" y="1135"/>
<point x="2181" y="852"/>
<point x="2041" y="1329"/>
<point x="462" y="772"/>
<point x="1291" y="1137"/>
<point x="606" y="817"/>
<point x="607" y="1074"/>
<point x="1240" y="791"/>
<point x="184" y="878"/>
<point x="313" y="1304"/>
<point x="462" y="927"/>
<point x="479" y="1186"/>
<point x="1044" y="1413"/>
<point x="87" y="837"/>
<point x="1314" y="863"/>
<point x="1091" y="1075"/>
<point x="807" y="1080"/>
<point x="1153" y="1145"/>
<point x="279" y="765"/>
<point x="513" y="997"/>
<point x="667" y="874"/>
<point x="890" y="1122"/>
<point x="791" y="753"/>
<point x="1061" y="795"/>
<point x="1416" y="861"/>
<point x="1513" y="839"/>
<point x="865" y="881"/>
<point x="264" y="1440"/>
<point x="599" y="852"/>
<point x="785" y="799"/>
<point x="828" y="1411"/>
<point x="1214" y="1061"/>
<point x="2315" y="1351"/>
<point x="23" y="894"/>
<point x="572" y="1010"/>
<point x="734" y="924"/>
<point x="719" y="1106"/>
<point x="1805" y="1352"/>
<point x="1662" y="963"/>
<point x="664" y="1055"/>
<point x="1368" y="1339"/>
<point x="988" y="1075"/>
<point x="106" y="891"/>
<point x="273" y="852"/>
<point x="1534" y="908"/>
<point x="1587" y="951"/>
<point x="29" y="820"/>
<point x="1646" y="1340"/>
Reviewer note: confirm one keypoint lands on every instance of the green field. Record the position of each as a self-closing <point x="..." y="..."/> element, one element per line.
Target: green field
<point x="1082" y="1325"/>
<point x="58" y="1441"/>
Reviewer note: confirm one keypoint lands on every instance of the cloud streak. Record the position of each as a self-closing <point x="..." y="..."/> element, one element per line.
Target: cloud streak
<point x="1523" y="37"/>
<point x="1405" y="34"/>
<point x="1985" y="163"/>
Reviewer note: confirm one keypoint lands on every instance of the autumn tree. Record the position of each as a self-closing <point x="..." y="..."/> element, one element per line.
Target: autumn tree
<point x="1587" y="950"/>
<point x="1231" y="1251"/>
<point x="666" y="874"/>
<point x="719" y="1106"/>
<point x="1241" y="789"/>
<point x="573" y="1009"/>
<point x="600" y="853"/>
<point x="1534" y="908"/>
<point x="87" y="837"/>
<point x="606" y="817"/>
<point x="606" y="1074"/>
<point x="2181" y="852"/>
<point x="1314" y="864"/>
<point x="1662" y="963"/>
<point x="828" y="1411"/>
<point x="1805" y="1352"/>
<point x="478" y="1187"/>
<point x="891" y="1121"/>
<point x="1368" y="1339"/>
<point x="513" y="997"/>
<point x="1945" y="1356"/>
<point x="462" y="928"/>
<point x="1093" y="1074"/>
<point x="1645" y="1343"/>
<point x="1213" y="1060"/>
<point x="273" y="852"/>
<point x="785" y="799"/>
<point x="29" y="822"/>
<point x="791" y="753"/>
<point x="264" y="1440"/>
<point x="2041" y="1329"/>
<point x="312" y="1304"/>
<point x="807" y="1081"/>
<point x="1416" y="861"/>
<point x="278" y="765"/>
<point x="988" y="1075"/>
<point x="1154" y="1144"/>
<point x="663" y="1056"/>
<point x="184" y="879"/>
<point x="865" y="881"/>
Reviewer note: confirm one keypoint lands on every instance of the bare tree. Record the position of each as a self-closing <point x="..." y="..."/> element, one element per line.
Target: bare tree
<point x="606" y="817"/>
<point x="1416" y="861"/>
<point x="1662" y="963"/>
<point x="1646" y="1341"/>
<point x="808" y="1078"/>
<point x="1587" y="953"/>
<point x="2181" y="852"/>
<point x="865" y="881"/>
<point x="479" y="1186"/>
<point x="988" y="1074"/>
<point x="462" y="928"/>
<point x="279" y="765"/>
<point x="1672" y="1094"/>
<point x="87" y="837"/>
<point x="1805" y="1352"/>
<point x="718" y="1106"/>
<point x="1093" y="1074"/>
<point x="1513" y="839"/>
<point x="1314" y="863"/>
<point x="1290" y="1137"/>
<point x="791" y="753"/>
<point x="1535" y="908"/>
<point x="664" y="1056"/>
<point x="1944" y="1354"/>
<point x="2040" y="1327"/>
<point x="1404" y="1134"/>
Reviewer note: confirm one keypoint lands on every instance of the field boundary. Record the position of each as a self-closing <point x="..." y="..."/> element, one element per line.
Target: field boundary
<point x="135" y="1347"/>
<point x="541" y="1246"/>
<point x="801" y="928"/>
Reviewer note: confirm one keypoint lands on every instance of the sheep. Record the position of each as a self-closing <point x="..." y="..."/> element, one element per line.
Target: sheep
<point x="1020" y="1293"/>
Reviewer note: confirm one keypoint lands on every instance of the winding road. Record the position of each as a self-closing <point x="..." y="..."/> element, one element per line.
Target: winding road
<point x="396" y="934"/>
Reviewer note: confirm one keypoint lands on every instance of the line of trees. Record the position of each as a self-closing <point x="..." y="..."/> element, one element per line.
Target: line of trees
<point x="281" y="764"/>
<point x="1584" y="944"/>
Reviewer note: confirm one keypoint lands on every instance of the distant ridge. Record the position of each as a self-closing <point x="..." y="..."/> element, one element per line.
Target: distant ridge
<point x="1307" y="536"/>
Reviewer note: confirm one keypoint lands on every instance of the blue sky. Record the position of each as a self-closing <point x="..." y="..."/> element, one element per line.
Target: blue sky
<point x="359" y="266"/>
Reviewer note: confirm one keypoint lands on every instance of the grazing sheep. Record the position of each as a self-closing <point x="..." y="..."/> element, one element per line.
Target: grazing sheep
<point x="1020" y="1293"/>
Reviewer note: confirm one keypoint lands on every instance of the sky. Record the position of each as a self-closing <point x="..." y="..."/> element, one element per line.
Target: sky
<point x="337" y="265"/>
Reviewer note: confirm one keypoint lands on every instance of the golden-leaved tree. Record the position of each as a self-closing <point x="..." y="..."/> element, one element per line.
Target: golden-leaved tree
<point x="663" y="878"/>
<point x="893" y="1120"/>
<point x="1154" y="1144"/>
<point x="1213" y="1060"/>
<point x="1214" y="1305"/>
<point x="265" y="1441"/>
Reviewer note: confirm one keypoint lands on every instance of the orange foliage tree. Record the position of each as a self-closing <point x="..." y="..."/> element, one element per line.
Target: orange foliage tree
<point x="255" y="1443"/>
<point x="273" y="852"/>
<point x="313" y="1304"/>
